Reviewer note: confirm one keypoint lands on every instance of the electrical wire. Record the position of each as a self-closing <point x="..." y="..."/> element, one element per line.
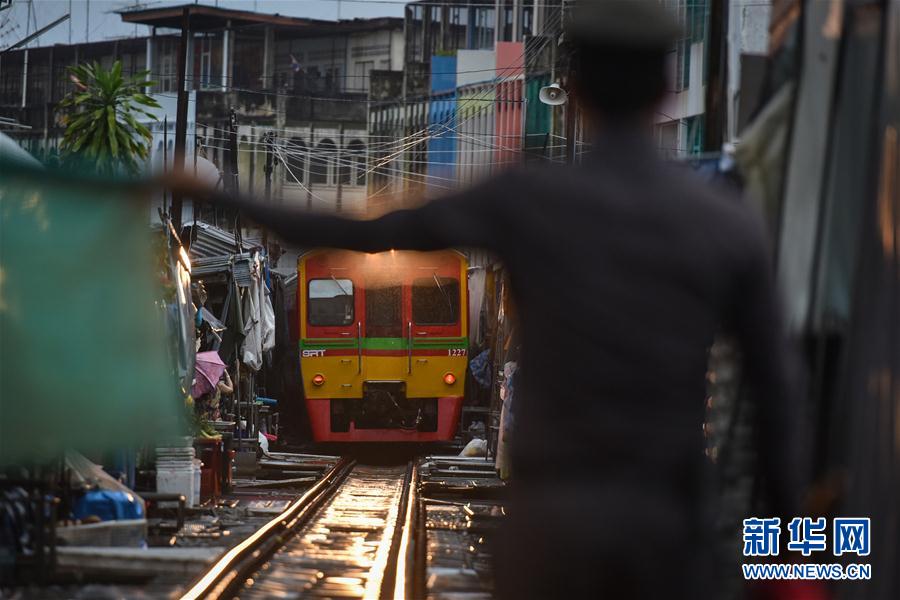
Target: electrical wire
<point x="401" y="145"/>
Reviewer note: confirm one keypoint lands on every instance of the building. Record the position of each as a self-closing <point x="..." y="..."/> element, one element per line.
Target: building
<point x="369" y="114"/>
<point x="34" y="80"/>
<point x="748" y="45"/>
<point x="466" y="104"/>
<point x="680" y="117"/>
<point x="681" y="120"/>
<point x="305" y="80"/>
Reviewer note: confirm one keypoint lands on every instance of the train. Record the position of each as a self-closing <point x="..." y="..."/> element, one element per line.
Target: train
<point x="383" y="344"/>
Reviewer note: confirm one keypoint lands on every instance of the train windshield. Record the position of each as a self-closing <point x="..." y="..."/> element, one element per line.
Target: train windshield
<point x="330" y="302"/>
<point x="435" y="300"/>
<point x="384" y="308"/>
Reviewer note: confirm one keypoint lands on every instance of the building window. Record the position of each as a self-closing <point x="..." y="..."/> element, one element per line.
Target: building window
<point x="668" y="139"/>
<point x="694" y="143"/>
<point x="356" y="159"/>
<point x="507" y="32"/>
<point x="527" y="18"/>
<point x="205" y="62"/>
<point x="685" y="64"/>
<point x="459" y="22"/>
<point x="343" y="169"/>
<point x="295" y="157"/>
<point x="321" y="163"/>
<point x="484" y="28"/>
<point x="363" y="71"/>
<point x="333" y="79"/>
<point x="167" y="72"/>
<point x="416" y="32"/>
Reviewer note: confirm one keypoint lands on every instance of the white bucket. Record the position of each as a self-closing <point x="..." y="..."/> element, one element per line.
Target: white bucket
<point x="178" y="481"/>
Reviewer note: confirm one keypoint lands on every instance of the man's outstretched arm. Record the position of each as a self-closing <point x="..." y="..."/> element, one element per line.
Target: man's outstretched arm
<point x="462" y="220"/>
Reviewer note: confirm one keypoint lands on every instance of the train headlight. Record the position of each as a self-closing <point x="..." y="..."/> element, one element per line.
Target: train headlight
<point x="449" y="378"/>
<point x="318" y="379"/>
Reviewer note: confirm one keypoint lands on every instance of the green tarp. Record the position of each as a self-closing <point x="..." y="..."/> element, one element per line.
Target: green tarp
<point x="83" y="355"/>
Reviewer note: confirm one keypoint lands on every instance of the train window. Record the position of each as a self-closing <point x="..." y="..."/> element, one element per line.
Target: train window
<point x="435" y="301"/>
<point x="384" y="311"/>
<point x="330" y="302"/>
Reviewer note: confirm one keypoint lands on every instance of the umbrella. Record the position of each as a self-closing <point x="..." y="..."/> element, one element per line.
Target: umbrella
<point x="208" y="370"/>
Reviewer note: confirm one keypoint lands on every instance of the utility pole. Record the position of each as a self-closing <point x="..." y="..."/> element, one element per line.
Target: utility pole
<point x="716" y="92"/>
<point x="338" y="203"/>
<point x="269" y="141"/>
<point x="165" y="158"/>
<point x="309" y="167"/>
<point x="233" y="152"/>
<point x="197" y="144"/>
<point x="234" y="187"/>
<point x="181" y="113"/>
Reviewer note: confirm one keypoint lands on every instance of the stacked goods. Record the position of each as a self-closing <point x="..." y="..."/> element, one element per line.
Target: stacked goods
<point x="178" y="472"/>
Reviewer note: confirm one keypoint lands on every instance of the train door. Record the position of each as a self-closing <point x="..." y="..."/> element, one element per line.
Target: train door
<point x="384" y="402"/>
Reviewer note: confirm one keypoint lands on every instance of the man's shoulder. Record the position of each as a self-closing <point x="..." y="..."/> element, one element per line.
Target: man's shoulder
<point x="715" y="197"/>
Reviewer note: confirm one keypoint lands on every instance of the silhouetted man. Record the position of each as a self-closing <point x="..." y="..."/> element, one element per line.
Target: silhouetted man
<point x="623" y="269"/>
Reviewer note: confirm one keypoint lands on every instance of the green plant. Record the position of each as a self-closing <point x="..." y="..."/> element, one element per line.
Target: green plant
<point x="102" y="121"/>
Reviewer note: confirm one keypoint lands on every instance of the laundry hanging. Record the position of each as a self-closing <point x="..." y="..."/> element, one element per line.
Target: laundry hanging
<point x="259" y="324"/>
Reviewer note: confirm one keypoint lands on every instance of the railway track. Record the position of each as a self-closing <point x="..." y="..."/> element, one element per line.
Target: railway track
<point x="352" y="535"/>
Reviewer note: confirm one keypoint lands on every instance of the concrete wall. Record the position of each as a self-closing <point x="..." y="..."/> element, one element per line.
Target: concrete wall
<point x="442" y="119"/>
<point x="511" y="78"/>
<point x="477" y="126"/>
<point x="748" y="33"/>
<point x="475" y="66"/>
<point x="475" y="113"/>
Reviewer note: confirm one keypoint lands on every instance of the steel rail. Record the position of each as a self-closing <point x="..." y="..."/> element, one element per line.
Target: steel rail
<point x="229" y="572"/>
<point x="402" y="583"/>
<point x="383" y="572"/>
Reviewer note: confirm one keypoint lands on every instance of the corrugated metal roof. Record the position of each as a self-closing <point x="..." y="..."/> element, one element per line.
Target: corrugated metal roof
<point x="237" y="264"/>
<point x="208" y="241"/>
<point x="214" y="250"/>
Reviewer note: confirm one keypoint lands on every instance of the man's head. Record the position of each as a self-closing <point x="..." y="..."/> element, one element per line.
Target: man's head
<point x="619" y="53"/>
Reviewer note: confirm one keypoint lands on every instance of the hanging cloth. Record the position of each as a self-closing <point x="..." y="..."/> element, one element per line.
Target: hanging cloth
<point x="267" y="318"/>
<point x="233" y="336"/>
<point x="251" y="350"/>
<point x="477" y="278"/>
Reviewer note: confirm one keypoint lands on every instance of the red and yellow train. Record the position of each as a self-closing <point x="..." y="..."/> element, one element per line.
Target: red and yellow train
<point x="383" y="344"/>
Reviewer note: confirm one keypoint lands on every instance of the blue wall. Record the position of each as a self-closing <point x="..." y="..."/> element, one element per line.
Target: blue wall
<point x="441" y="114"/>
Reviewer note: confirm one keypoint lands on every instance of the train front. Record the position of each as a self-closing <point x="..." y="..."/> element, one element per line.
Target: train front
<point x="383" y="344"/>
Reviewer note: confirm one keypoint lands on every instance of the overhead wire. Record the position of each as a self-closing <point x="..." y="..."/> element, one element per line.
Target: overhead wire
<point x="446" y="129"/>
<point x="461" y="103"/>
<point x="418" y="136"/>
<point x="348" y="162"/>
<point x="422" y="139"/>
<point x="495" y="84"/>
